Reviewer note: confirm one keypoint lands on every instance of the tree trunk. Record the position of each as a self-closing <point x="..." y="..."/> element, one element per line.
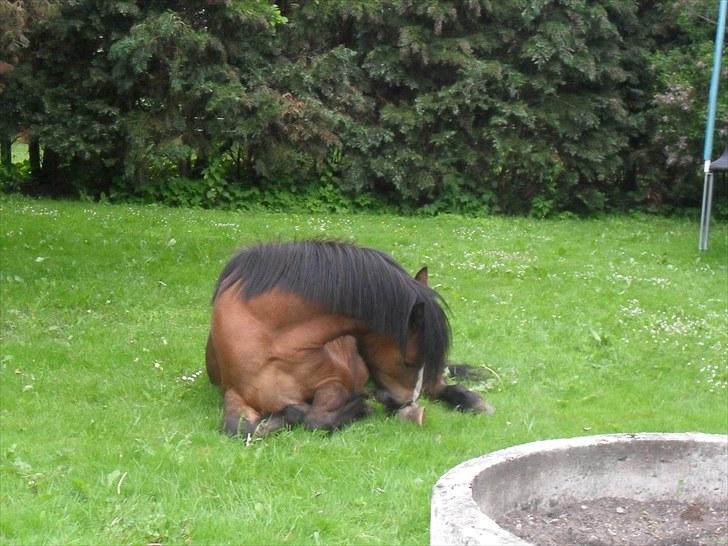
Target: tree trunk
<point x="6" y="155"/>
<point x="184" y="167"/>
<point x="49" y="171"/>
<point x="34" y="157"/>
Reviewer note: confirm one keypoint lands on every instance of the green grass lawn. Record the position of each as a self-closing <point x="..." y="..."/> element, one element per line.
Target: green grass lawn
<point x="108" y="435"/>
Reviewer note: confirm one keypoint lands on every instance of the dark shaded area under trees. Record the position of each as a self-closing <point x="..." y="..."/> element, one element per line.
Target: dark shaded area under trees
<point x="474" y="106"/>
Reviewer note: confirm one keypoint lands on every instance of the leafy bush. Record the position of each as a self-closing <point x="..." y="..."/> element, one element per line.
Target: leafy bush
<point x="211" y="192"/>
<point x="14" y="177"/>
<point x="668" y="170"/>
<point x="528" y="107"/>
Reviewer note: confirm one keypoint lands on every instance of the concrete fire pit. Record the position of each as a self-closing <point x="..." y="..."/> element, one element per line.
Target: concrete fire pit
<point x="466" y="501"/>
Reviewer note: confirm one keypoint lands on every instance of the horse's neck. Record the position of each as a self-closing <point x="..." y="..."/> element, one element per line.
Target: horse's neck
<point x="376" y="347"/>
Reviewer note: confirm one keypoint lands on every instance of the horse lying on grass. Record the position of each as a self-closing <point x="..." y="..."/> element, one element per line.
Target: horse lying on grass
<point x="299" y="328"/>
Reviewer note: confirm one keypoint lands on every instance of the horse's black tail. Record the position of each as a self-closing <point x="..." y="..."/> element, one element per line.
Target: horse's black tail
<point x="461" y="371"/>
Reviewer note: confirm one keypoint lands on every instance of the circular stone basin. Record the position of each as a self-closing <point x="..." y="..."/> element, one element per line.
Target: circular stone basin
<point x="539" y="476"/>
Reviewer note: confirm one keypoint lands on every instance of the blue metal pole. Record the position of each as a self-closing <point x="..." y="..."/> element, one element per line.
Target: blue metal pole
<point x="714" y="80"/>
<point x="710" y="126"/>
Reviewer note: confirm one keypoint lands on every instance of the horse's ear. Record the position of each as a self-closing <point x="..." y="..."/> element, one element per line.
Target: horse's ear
<point x="422" y="276"/>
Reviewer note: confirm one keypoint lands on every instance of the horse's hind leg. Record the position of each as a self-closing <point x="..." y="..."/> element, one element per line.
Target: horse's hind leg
<point x="460" y="398"/>
<point x="334" y="407"/>
<point x="213" y="369"/>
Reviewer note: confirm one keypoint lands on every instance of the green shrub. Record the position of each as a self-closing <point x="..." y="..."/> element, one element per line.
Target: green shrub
<point x="471" y="106"/>
<point x="14" y="177"/>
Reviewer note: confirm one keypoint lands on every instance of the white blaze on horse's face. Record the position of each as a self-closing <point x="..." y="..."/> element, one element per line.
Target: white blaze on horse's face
<point x="418" y="386"/>
<point x="411" y="411"/>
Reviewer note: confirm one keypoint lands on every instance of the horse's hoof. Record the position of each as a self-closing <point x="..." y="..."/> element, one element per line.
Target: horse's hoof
<point x="413" y="413"/>
<point x="360" y="408"/>
<point x="476" y="404"/>
<point x="236" y="426"/>
<point x="479" y="406"/>
<point x="268" y="424"/>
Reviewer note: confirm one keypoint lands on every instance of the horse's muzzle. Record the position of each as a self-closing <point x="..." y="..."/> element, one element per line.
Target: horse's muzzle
<point x="409" y="411"/>
<point x="412" y="412"/>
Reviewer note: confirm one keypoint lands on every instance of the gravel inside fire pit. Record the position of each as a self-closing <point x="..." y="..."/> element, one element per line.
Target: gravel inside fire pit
<point x="618" y="521"/>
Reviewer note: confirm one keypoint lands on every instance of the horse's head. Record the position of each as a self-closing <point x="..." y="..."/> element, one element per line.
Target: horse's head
<point x="398" y="375"/>
<point x="400" y="372"/>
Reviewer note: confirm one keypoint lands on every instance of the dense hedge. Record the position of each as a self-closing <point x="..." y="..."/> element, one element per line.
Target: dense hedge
<point x="526" y="106"/>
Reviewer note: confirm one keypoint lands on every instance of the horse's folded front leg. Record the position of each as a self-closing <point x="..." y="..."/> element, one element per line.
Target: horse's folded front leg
<point x="238" y="419"/>
<point x="287" y="417"/>
<point x="334" y="406"/>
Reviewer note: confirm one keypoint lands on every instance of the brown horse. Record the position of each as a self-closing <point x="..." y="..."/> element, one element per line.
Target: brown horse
<point x="298" y="329"/>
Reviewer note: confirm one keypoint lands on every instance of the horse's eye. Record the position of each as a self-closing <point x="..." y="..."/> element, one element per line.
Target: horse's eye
<point x="411" y="364"/>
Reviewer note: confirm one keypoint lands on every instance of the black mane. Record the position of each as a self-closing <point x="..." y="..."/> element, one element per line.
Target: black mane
<point x="345" y="279"/>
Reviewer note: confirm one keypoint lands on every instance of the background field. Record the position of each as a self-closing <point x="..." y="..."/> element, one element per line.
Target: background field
<point x="109" y="434"/>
